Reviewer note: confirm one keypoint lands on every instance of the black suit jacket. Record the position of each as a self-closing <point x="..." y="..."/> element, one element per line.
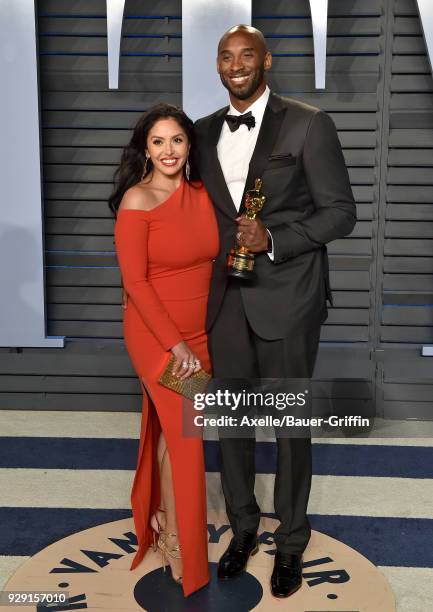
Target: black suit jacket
<point x="309" y="203"/>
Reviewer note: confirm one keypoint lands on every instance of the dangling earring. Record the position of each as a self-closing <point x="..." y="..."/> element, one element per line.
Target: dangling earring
<point x="187" y="170"/>
<point x="145" y="167"/>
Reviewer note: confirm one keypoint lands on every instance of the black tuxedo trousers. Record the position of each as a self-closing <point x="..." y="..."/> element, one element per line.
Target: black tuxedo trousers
<point x="238" y="353"/>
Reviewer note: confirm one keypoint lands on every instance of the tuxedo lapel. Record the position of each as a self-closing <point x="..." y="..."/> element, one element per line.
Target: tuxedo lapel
<point x="215" y="182"/>
<point x="269" y="130"/>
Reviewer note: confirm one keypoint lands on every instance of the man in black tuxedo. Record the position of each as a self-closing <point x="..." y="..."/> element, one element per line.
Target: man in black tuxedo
<point x="269" y="328"/>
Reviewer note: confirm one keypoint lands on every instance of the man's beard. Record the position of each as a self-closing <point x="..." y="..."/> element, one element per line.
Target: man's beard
<point x="255" y="84"/>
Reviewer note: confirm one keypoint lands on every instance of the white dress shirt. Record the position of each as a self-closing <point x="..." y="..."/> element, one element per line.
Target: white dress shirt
<point x="235" y="150"/>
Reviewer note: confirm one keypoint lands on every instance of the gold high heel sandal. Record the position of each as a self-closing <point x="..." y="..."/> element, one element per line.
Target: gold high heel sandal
<point x="173" y="552"/>
<point x="156" y="528"/>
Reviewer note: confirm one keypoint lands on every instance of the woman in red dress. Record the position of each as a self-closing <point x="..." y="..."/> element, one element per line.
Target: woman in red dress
<point x="166" y="239"/>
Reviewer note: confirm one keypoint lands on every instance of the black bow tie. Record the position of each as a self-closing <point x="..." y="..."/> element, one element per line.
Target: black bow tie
<point x="234" y="121"/>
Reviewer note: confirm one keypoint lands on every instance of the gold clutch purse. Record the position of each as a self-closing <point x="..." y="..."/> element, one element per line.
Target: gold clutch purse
<point x="196" y="383"/>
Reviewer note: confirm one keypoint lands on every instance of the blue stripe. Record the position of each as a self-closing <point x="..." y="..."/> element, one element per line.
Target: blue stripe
<point x="275" y="17"/>
<point x="68" y="453"/>
<point x="397" y="542"/>
<point x="327" y="55"/>
<point x="385" y="541"/>
<point x="56" y="267"/>
<point x="98" y="54"/>
<point x="164" y="54"/>
<point x="25" y="531"/>
<point x="94" y="35"/>
<point x="74" y="252"/>
<point x="347" y="460"/>
<point x="103" y="16"/>
<point x="120" y="454"/>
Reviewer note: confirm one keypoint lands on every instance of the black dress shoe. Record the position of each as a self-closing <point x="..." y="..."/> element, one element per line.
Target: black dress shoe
<point x="287" y="575"/>
<point x="234" y="560"/>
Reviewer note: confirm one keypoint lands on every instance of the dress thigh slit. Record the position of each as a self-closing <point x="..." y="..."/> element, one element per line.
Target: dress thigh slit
<point x="187" y="468"/>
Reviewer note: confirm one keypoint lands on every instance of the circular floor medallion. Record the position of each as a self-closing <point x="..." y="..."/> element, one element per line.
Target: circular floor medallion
<point x="93" y="567"/>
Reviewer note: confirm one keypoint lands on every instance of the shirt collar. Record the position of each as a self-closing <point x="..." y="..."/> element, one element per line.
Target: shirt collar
<point x="257" y="108"/>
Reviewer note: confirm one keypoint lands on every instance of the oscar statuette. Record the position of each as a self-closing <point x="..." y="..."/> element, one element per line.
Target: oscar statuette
<point x="240" y="261"/>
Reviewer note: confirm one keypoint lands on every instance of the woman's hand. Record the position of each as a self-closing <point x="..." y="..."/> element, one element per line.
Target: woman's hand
<point x="186" y="363"/>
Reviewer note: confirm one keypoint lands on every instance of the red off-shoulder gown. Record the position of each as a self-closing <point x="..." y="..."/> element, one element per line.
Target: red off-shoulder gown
<point x="165" y="257"/>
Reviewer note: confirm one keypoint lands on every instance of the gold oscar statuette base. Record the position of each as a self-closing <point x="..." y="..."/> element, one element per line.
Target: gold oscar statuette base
<point x="240" y="264"/>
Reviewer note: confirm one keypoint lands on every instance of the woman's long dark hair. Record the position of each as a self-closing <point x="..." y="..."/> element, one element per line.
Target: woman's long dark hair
<point x="130" y="170"/>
